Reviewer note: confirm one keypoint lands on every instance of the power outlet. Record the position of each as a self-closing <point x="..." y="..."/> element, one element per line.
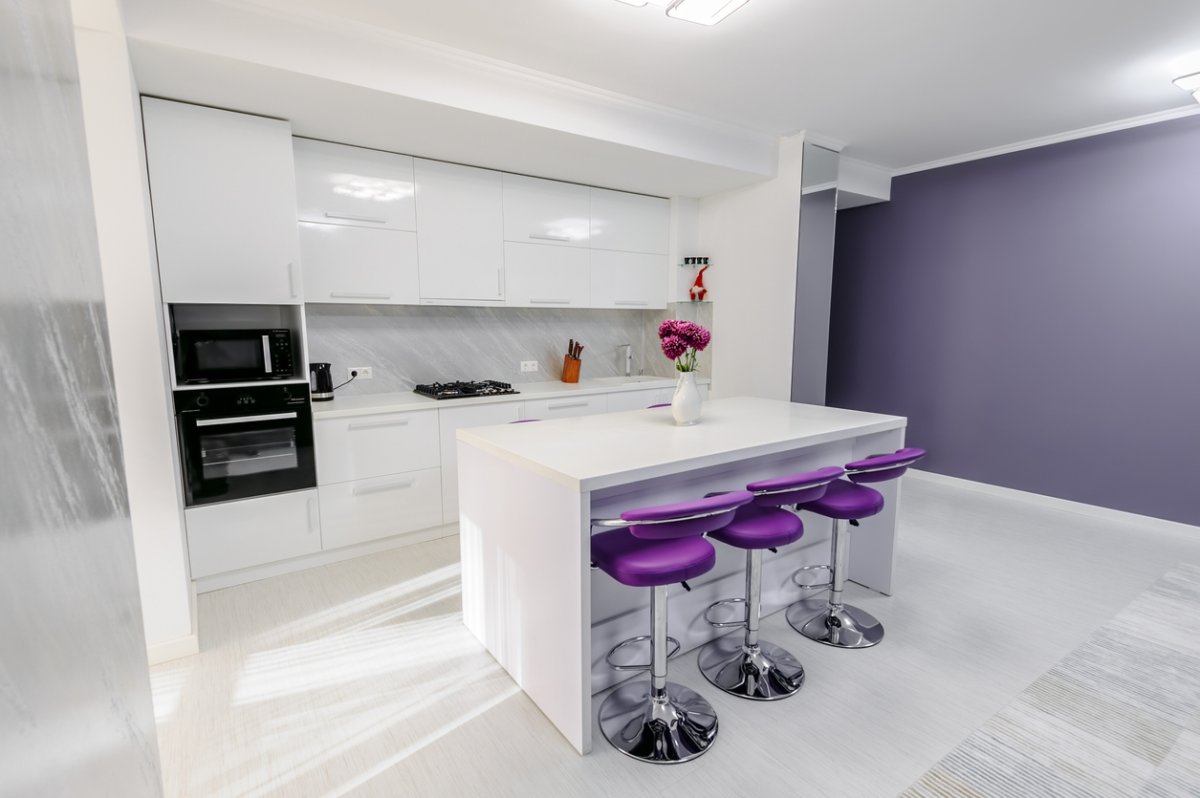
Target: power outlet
<point x="364" y="373"/>
<point x="529" y="365"/>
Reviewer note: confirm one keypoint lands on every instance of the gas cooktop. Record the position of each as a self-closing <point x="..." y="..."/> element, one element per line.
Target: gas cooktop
<point x="464" y="390"/>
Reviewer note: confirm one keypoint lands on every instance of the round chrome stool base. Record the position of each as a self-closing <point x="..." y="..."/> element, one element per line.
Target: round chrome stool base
<point x="764" y="672"/>
<point x="843" y="627"/>
<point x="677" y="727"/>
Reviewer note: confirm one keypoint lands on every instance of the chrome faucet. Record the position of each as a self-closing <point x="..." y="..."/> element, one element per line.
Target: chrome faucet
<point x="628" y="358"/>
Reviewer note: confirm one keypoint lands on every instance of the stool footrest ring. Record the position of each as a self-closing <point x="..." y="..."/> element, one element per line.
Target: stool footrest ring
<point x="637" y="666"/>
<point x="723" y="624"/>
<point x="803" y="586"/>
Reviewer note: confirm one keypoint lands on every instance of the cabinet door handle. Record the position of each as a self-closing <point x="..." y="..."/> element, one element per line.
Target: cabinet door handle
<point x="291" y="269"/>
<point x="366" y="490"/>
<point x="352" y="218"/>
<point x="391" y="422"/>
<point x="312" y="527"/>
<point x="565" y="405"/>
<point x="544" y="237"/>
<point x="499" y="282"/>
<point x="357" y="295"/>
<point x="535" y="301"/>
<point x="634" y="302"/>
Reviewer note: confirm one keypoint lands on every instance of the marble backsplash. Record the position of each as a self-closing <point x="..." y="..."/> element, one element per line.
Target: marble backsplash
<point x="407" y="345"/>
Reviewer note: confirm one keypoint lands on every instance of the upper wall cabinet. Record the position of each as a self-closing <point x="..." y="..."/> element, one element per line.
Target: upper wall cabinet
<point x="357" y="265"/>
<point x="223" y="191"/>
<point x="540" y="211"/>
<point x="630" y="222"/>
<point x="460" y="242"/>
<point x="339" y="184"/>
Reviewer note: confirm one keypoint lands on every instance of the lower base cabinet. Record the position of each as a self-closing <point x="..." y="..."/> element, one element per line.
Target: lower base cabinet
<point x="241" y="534"/>
<point x="380" y="507"/>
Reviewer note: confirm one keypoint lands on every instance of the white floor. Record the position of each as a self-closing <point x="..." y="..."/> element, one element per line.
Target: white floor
<point x="359" y="679"/>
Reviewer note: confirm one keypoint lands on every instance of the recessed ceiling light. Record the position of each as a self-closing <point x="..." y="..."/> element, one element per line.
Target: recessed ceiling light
<point x="704" y="12"/>
<point x="1188" y="83"/>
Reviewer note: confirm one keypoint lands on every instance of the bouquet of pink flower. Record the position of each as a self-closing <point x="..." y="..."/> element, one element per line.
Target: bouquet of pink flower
<point x="681" y="340"/>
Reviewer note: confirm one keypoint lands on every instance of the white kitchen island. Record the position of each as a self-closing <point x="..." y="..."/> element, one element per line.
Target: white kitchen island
<point x="529" y="491"/>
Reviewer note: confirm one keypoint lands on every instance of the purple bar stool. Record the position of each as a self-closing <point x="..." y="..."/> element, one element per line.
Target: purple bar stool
<point x="660" y="721"/>
<point x="743" y="665"/>
<point x="834" y="623"/>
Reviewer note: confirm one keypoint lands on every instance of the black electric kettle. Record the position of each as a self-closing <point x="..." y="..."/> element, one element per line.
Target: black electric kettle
<point x="320" y="382"/>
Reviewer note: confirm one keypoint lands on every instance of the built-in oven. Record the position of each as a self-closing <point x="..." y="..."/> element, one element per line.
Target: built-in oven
<point x="208" y="356"/>
<point x="241" y="442"/>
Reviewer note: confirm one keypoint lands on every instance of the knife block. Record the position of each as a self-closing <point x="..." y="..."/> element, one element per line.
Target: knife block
<point x="570" y="369"/>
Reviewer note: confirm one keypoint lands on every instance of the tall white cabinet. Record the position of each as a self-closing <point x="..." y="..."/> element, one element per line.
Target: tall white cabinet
<point x="460" y="223"/>
<point x="224" y="197"/>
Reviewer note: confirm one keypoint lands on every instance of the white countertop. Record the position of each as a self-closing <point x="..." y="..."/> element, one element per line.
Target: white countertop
<point x="366" y="404"/>
<point x="599" y="451"/>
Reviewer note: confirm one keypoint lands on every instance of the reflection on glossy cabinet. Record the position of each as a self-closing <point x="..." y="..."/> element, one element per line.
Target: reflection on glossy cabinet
<point x="224" y="196"/>
<point x="630" y="222"/>
<point x="545" y="211"/>
<point x="358" y="265"/>
<point x="536" y="275"/>
<point x="340" y="184"/>
<point x="460" y="233"/>
<point x="628" y="280"/>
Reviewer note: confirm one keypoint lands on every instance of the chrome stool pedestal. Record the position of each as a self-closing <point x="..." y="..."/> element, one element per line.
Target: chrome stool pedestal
<point x="657" y="721"/>
<point x="831" y="621"/>
<point x="743" y="665"/>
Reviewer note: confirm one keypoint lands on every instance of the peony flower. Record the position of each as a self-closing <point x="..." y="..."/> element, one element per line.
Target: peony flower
<point x="674" y="347"/>
<point x="668" y="327"/>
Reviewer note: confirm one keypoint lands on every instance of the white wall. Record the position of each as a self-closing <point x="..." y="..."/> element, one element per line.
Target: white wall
<point x="112" y="121"/>
<point x="751" y="236"/>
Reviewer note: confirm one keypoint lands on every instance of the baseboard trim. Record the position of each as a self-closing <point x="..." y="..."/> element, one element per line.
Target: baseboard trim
<point x="1090" y="510"/>
<point x="207" y="584"/>
<point x="173" y="649"/>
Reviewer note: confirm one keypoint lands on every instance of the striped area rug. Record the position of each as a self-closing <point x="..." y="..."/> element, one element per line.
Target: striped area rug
<point x="1119" y="716"/>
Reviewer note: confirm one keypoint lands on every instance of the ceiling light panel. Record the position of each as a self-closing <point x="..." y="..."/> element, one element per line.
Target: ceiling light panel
<point x="1188" y="82"/>
<point x="704" y="12"/>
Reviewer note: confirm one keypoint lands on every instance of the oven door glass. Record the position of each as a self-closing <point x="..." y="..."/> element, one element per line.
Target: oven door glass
<point x="242" y="453"/>
<point x="243" y="456"/>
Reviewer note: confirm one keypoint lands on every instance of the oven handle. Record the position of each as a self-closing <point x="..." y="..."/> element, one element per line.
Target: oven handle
<point x="212" y="422"/>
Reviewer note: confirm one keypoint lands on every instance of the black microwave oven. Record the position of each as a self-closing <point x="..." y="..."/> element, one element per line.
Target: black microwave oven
<point x="207" y="356"/>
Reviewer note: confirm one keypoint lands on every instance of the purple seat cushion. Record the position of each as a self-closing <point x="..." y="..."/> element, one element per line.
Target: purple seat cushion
<point x="648" y="563"/>
<point x="758" y="527"/>
<point x="794" y="488"/>
<point x="882" y="467"/>
<point x="846" y="500"/>
<point x="717" y="511"/>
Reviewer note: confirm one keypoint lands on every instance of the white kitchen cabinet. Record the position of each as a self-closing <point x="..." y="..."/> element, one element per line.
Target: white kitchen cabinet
<point x="380" y="507"/>
<point x="340" y="184"/>
<point x="566" y="406"/>
<point x="377" y="445"/>
<point x="546" y="211"/>
<point x="460" y="234"/>
<point x="630" y="222"/>
<point x="358" y="265"/>
<point x="536" y="275"/>
<point x="628" y="280"/>
<point x="223" y="192"/>
<point x="226" y="537"/>
<point x="454" y="419"/>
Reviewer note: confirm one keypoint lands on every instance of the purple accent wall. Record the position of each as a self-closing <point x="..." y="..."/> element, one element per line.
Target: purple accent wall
<point x="1037" y="317"/>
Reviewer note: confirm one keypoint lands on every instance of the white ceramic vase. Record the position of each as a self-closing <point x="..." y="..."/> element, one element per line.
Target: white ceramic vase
<point x="685" y="405"/>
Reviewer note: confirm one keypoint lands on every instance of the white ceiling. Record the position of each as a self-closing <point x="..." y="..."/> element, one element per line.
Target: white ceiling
<point x="901" y="82"/>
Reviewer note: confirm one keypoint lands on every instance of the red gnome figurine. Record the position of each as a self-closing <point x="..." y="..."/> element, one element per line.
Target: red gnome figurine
<point x="698" y="291"/>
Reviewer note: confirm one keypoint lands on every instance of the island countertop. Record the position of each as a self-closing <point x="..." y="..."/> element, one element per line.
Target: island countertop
<point x="594" y="452"/>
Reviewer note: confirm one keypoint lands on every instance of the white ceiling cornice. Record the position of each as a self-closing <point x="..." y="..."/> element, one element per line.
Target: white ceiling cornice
<point x="1071" y="135"/>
